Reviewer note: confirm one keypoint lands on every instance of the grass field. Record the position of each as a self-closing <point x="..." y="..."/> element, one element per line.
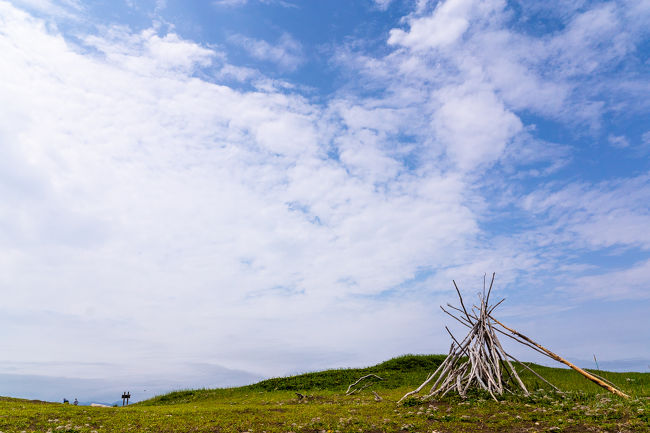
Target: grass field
<point x="273" y="406"/>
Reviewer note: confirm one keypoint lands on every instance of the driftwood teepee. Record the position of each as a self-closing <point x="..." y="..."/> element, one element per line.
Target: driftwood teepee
<point x="479" y="360"/>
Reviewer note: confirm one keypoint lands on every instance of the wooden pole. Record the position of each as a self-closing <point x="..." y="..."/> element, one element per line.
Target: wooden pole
<point x="564" y="361"/>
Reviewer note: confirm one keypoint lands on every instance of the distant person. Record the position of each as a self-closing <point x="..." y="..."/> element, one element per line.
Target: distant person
<point x="76" y="402"/>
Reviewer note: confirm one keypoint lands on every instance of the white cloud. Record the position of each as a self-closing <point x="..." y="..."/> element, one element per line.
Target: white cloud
<point x="148" y="53"/>
<point x="138" y="193"/>
<point x="618" y="141"/>
<point x="636" y="148"/>
<point x="471" y="75"/>
<point x="60" y="8"/>
<point x="528" y="156"/>
<point x="469" y="84"/>
<point x="383" y="4"/>
<point x="287" y="53"/>
<point x="609" y="214"/>
<point x="468" y="95"/>
<point x="230" y="3"/>
<point x="133" y="192"/>
<point x="443" y="27"/>
<point x="475" y="127"/>
<point x="592" y="40"/>
<point x="565" y="74"/>
<point x="239" y="3"/>
<point x="645" y="141"/>
<point x="630" y="283"/>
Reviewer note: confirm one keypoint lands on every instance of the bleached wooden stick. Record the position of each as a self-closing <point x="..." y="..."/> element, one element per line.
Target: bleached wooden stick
<point x="564" y="361"/>
<point x="348" y="392"/>
<point x="534" y="372"/>
<point x="478" y="360"/>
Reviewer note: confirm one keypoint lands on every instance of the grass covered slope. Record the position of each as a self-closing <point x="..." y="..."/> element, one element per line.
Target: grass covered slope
<point x="272" y="406"/>
<point x="407" y="372"/>
<point x="397" y="372"/>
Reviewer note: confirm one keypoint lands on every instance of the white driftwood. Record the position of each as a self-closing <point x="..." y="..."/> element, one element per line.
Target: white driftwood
<point x="350" y="389"/>
<point x="558" y="358"/>
<point x="486" y="361"/>
<point x="487" y="366"/>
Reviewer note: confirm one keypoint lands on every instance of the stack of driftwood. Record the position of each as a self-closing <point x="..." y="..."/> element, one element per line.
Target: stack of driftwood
<point x="479" y="360"/>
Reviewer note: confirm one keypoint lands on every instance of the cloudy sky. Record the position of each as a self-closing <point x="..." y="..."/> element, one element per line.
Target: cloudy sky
<point x="264" y="187"/>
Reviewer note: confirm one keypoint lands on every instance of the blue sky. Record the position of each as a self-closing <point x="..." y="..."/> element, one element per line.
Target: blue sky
<point x="263" y="187"/>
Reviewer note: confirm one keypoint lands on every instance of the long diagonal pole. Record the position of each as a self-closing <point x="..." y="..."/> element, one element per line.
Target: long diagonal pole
<point x="564" y="361"/>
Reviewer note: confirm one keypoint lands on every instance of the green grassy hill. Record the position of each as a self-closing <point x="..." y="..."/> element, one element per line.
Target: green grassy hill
<point x="398" y="372"/>
<point x="410" y="371"/>
<point x="273" y="406"/>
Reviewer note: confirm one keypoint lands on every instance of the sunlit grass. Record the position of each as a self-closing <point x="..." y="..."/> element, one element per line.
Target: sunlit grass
<point x="273" y="406"/>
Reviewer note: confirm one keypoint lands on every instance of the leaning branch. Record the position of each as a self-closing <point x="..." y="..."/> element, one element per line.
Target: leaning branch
<point x="564" y="361"/>
<point x="351" y="389"/>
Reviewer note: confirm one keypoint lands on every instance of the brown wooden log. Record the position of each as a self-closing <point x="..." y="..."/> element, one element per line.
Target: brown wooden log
<point x="564" y="361"/>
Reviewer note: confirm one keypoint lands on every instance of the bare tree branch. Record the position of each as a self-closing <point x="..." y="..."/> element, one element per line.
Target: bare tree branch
<point x="350" y="389"/>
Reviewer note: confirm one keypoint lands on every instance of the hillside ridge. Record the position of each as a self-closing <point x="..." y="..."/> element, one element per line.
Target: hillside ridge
<point x="399" y="372"/>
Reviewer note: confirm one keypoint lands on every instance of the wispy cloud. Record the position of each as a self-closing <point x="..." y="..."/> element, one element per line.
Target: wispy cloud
<point x="239" y="3"/>
<point x="608" y="214"/>
<point x="618" y="141"/>
<point x="383" y="4"/>
<point x="68" y="9"/>
<point x="109" y="197"/>
<point x="443" y="27"/>
<point x="637" y="147"/>
<point x="148" y="53"/>
<point x="628" y="283"/>
<point x="230" y="3"/>
<point x="133" y="190"/>
<point x="644" y="145"/>
<point x="475" y="78"/>
<point x="286" y="53"/>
